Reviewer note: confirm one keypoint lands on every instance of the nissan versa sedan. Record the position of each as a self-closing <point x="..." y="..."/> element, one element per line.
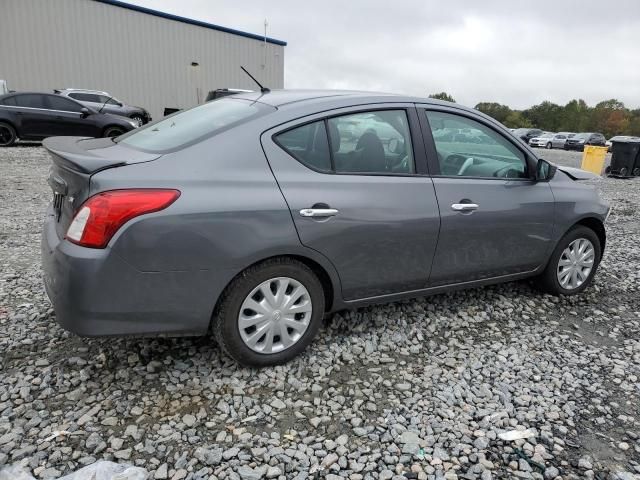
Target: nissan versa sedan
<point x="254" y="215"/>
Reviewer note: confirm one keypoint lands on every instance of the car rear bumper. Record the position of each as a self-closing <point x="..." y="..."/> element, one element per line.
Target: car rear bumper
<point x="95" y="292"/>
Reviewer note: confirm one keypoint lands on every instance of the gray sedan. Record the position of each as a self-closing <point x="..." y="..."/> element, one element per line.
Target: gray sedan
<point x="254" y="215"/>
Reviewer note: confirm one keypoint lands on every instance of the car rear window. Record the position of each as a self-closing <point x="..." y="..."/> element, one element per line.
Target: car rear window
<point x="191" y="126"/>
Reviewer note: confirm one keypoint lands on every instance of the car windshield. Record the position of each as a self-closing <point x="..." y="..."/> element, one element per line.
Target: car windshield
<point x="581" y="136"/>
<point x="191" y="126"/>
<point x="547" y="135"/>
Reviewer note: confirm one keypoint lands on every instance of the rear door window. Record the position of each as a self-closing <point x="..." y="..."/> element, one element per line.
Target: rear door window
<point x="372" y="142"/>
<point x="30" y="100"/>
<point x="194" y="125"/>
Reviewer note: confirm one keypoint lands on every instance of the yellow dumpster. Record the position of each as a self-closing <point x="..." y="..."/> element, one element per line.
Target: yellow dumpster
<point x="593" y="159"/>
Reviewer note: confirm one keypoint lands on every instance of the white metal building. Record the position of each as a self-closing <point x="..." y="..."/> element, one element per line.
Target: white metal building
<point x="142" y="57"/>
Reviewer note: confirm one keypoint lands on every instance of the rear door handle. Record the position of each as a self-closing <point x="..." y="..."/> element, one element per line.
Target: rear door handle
<point x="464" y="207"/>
<point x="318" y="212"/>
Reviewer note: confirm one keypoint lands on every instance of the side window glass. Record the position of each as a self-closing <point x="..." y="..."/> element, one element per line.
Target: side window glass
<point x="9" y="101"/>
<point x="467" y="148"/>
<point x="308" y="144"/>
<point x="30" y="100"/>
<point x="372" y="142"/>
<point x="62" y="104"/>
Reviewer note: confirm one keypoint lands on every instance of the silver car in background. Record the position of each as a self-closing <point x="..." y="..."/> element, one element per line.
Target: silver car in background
<point x="550" y="140"/>
<point x="104" y="102"/>
<point x="253" y="215"/>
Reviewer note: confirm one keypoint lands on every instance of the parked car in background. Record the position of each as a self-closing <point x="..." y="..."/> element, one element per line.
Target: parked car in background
<point x="223" y="92"/>
<point x="104" y="102"/>
<point x="550" y="140"/>
<point x="579" y="140"/>
<point x="297" y="218"/>
<point x="34" y="116"/>
<point x="543" y="140"/>
<point x="527" y="134"/>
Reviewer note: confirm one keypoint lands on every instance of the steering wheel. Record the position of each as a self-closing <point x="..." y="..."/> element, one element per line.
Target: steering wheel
<point x="467" y="163"/>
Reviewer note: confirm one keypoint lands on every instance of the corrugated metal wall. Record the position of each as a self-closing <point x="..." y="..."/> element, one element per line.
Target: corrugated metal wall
<point x="139" y="58"/>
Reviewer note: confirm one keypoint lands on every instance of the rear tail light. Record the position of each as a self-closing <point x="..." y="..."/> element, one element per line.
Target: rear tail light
<point x="102" y="215"/>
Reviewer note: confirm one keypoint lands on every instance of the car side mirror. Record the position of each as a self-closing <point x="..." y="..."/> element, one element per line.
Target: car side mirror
<point x="545" y="171"/>
<point x="84" y="112"/>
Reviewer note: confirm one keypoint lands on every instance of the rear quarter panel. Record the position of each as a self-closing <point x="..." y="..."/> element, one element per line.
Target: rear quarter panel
<point x="230" y="215"/>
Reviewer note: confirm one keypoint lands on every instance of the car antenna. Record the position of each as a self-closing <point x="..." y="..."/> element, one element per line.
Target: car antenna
<point x="103" y="105"/>
<point x="262" y="89"/>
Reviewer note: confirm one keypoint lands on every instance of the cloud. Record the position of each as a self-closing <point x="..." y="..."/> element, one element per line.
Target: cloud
<point x="492" y="50"/>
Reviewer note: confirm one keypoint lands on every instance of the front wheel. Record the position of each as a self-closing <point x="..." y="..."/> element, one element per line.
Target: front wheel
<point x="269" y="313"/>
<point x="112" y="132"/>
<point x="8" y="135"/>
<point x="548" y="146"/>
<point x="573" y="263"/>
<point x="138" y="119"/>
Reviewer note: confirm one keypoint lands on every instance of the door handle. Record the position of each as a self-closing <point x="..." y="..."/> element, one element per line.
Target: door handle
<point x="318" y="212"/>
<point x="464" y="207"/>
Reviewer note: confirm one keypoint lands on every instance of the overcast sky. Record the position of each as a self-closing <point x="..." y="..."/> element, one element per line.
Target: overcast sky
<point x="509" y="51"/>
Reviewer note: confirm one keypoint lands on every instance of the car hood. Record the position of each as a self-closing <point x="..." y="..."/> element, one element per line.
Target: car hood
<point x="578" y="173"/>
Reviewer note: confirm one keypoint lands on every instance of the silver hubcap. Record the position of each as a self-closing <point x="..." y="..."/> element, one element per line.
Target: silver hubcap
<point x="275" y="315"/>
<point x="576" y="263"/>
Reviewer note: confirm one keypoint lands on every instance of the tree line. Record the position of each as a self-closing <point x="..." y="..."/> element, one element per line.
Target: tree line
<point x="609" y="117"/>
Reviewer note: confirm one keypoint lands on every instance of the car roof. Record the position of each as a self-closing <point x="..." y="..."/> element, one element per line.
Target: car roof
<point x="281" y="98"/>
<point x="82" y="90"/>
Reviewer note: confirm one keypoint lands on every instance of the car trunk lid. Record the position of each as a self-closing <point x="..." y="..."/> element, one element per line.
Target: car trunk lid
<point x="75" y="160"/>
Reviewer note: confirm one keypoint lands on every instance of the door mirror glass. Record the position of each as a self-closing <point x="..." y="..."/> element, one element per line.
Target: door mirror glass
<point x="545" y="171"/>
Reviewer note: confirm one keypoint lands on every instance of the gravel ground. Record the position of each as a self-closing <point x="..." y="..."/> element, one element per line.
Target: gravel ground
<point x="417" y="389"/>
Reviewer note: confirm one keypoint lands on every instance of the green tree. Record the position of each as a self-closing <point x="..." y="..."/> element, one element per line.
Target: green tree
<point x="517" y="120"/>
<point x="443" y="96"/>
<point x="546" y="115"/>
<point x="575" y="116"/>
<point x="495" y="110"/>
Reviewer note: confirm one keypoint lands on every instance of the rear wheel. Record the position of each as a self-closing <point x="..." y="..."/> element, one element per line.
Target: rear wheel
<point x="269" y="313"/>
<point x="636" y="172"/>
<point x="573" y="263"/>
<point x="548" y="146"/>
<point x="7" y="135"/>
<point x="624" y="171"/>
<point x="112" y="132"/>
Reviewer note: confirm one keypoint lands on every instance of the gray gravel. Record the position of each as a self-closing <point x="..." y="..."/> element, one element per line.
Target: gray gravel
<point x="417" y="389"/>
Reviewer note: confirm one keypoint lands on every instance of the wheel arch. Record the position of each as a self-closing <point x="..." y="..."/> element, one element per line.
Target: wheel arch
<point x="11" y="124"/>
<point x="113" y="125"/>
<point x="326" y="275"/>
<point x="597" y="226"/>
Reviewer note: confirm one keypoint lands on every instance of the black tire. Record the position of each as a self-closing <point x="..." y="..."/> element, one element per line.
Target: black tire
<point x="548" y="146"/>
<point x="623" y="171"/>
<point x="548" y="280"/>
<point x="112" y="132"/>
<point x="139" y="119"/>
<point x="636" y="172"/>
<point x="224" y="324"/>
<point x="8" y="135"/>
<point x="607" y="170"/>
